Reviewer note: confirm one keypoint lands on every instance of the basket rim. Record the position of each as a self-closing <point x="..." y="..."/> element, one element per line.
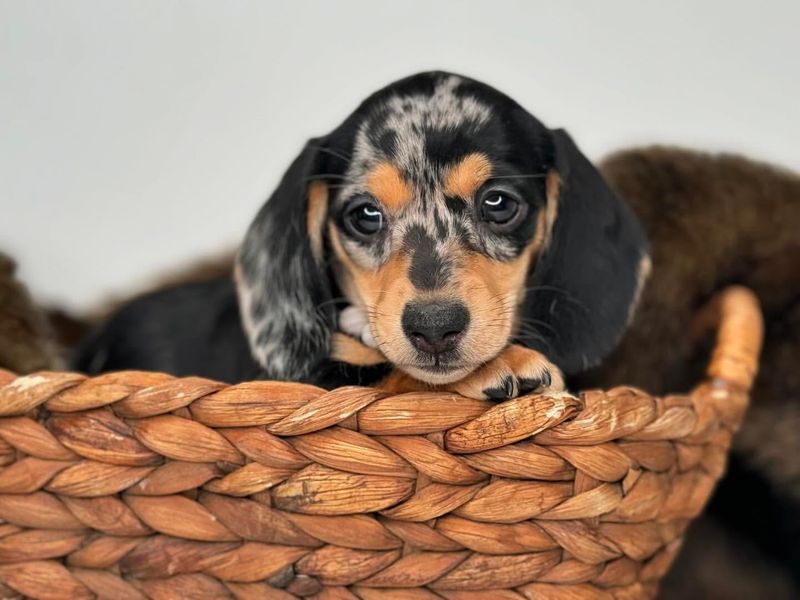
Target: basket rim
<point x="543" y="494"/>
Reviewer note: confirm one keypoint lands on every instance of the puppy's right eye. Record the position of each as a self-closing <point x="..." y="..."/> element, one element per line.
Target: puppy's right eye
<point x="364" y="219"/>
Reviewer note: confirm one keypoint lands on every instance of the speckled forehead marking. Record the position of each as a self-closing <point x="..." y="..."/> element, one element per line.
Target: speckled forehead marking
<point x="390" y="161"/>
<point x="406" y="121"/>
<point x="430" y="266"/>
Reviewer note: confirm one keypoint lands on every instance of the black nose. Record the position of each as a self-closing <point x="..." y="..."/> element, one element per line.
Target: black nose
<point x="434" y="326"/>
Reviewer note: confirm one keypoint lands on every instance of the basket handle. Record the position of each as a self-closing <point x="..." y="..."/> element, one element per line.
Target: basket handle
<point x="736" y="315"/>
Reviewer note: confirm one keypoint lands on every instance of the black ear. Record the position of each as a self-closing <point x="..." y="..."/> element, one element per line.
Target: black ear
<point x="282" y="284"/>
<point x="585" y="285"/>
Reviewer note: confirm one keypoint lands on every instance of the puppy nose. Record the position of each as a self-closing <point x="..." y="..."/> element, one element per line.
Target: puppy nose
<point x="434" y="326"/>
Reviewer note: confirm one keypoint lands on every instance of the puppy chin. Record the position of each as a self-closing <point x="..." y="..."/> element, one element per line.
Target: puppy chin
<point x="438" y="376"/>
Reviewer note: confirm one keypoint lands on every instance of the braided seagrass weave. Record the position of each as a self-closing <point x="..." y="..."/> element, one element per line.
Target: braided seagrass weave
<point x="141" y="485"/>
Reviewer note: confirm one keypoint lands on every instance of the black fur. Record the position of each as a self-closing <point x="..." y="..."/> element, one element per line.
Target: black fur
<point x="429" y="270"/>
<point x="285" y="294"/>
<point x="582" y="289"/>
<point x="193" y="329"/>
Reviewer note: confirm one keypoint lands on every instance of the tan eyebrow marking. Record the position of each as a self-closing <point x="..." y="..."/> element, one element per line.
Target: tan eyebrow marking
<point x="464" y="178"/>
<point x="386" y="183"/>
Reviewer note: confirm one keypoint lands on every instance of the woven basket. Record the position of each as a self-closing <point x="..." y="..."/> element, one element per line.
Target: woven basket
<point x="141" y="485"/>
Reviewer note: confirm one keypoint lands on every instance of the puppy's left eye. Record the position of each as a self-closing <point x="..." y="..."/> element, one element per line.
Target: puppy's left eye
<point x="499" y="208"/>
<point x="364" y="219"/>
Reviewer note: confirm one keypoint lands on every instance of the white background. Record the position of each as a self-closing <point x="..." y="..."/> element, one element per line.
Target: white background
<point x="138" y="135"/>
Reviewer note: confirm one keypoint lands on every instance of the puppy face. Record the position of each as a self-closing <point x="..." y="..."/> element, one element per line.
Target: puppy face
<point x="438" y="217"/>
<point x="434" y="208"/>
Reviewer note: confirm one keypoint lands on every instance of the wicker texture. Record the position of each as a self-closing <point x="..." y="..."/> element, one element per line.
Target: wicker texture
<point x="141" y="485"/>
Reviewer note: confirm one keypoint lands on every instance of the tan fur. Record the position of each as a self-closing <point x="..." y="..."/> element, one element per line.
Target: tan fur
<point x="531" y="364"/>
<point x="387" y="184"/>
<point x="315" y="217"/>
<point x="513" y="363"/>
<point x="398" y="382"/>
<point x="464" y="178"/>
<point x="553" y="192"/>
<point x="491" y="290"/>
<point x="381" y="292"/>
<point x="365" y="287"/>
<point x="642" y="276"/>
<point x="349" y="350"/>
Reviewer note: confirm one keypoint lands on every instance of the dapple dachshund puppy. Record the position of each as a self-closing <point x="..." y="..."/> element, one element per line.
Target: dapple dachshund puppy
<point x="441" y="234"/>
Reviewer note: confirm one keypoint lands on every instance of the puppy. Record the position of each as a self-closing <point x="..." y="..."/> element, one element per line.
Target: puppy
<point x="480" y="250"/>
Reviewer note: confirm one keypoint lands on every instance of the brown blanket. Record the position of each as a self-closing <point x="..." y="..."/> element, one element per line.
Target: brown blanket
<point x="26" y="343"/>
<point x="714" y="220"/>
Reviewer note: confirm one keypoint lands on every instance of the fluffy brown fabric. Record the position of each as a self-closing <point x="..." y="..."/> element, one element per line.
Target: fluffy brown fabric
<point x="712" y="221"/>
<point x="26" y="343"/>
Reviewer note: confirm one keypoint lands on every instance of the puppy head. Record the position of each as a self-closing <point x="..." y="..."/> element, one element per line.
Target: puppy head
<point x="457" y="221"/>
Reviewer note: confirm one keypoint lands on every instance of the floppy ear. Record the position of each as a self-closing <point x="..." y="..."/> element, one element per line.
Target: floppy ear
<point x="585" y="285"/>
<point x="282" y="284"/>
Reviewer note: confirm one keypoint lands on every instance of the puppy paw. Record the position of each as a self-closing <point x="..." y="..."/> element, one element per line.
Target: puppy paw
<point x="516" y="371"/>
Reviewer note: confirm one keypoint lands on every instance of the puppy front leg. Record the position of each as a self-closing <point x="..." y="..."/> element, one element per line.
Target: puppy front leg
<point x="516" y="371"/>
<point x="350" y="350"/>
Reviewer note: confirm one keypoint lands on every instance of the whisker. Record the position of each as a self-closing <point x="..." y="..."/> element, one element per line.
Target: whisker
<point x="326" y="150"/>
<point x="523" y="176"/>
<point x="565" y="294"/>
<point x="338" y="299"/>
<point x="319" y="176"/>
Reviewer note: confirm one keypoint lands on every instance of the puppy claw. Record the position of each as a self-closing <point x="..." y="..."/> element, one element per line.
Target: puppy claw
<point x="504" y="392"/>
<point x="527" y="385"/>
<point x="547" y="379"/>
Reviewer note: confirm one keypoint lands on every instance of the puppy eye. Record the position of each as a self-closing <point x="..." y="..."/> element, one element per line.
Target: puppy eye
<point x="364" y="219"/>
<point x="499" y="208"/>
